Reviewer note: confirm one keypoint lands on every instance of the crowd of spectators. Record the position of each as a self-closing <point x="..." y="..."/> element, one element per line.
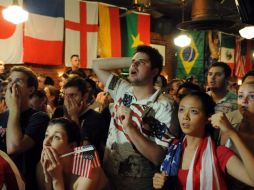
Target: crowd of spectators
<point x="146" y="133"/>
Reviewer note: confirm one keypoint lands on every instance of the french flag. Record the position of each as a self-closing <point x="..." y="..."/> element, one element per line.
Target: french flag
<point x="43" y="35"/>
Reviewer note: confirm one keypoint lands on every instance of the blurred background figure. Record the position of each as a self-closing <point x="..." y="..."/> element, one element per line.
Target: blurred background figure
<point x="53" y="97"/>
<point x="173" y="87"/>
<point x="38" y="101"/>
<point x="3" y="72"/>
<point x="2" y="67"/>
<point x="3" y="85"/>
<point x="44" y="80"/>
<point x="62" y="81"/>
<point x="161" y="83"/>
<point x="249" y="76"/>
<point x="75" y="66"/>
<point x="184" y="89"/>
<point x="193" y="80"/>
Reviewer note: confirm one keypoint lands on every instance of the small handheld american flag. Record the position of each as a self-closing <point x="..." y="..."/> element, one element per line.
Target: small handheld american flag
<point x="85" y="161"/>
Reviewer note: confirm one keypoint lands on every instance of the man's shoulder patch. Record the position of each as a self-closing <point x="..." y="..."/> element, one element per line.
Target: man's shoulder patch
<point x="113" y="82"/>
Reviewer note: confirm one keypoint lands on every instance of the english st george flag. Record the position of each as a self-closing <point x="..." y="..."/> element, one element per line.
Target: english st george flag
<point x="81" y="31"/>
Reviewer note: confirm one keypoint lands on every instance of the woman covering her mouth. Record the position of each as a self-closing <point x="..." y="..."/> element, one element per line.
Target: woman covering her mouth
<point x="243" y="118"/>
<point x="56" y="172"/>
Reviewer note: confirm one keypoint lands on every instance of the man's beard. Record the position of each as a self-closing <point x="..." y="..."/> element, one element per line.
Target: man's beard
<point x="138" y="82"/>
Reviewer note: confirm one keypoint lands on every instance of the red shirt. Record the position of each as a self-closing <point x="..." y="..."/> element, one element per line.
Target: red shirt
<point x="223" y="154"/>
<point x="7" y="177"/>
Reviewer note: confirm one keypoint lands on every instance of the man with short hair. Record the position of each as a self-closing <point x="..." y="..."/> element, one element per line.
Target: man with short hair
<point x="38" y="100"/>
<point x="217" y="80"/>
<point x="25" y="127"/>
<point x="140" y="122"/>
<point x="77" y="97"/>
<point x="44" y="80"/>
<point x="75" y="67"/>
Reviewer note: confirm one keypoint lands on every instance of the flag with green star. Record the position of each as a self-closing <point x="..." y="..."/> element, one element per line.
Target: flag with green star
<point x="190" y="59"/>
<point x="135" y="31"/>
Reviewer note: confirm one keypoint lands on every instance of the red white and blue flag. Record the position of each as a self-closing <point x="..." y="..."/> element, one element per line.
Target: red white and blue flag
<point x="243" y="57"/>
<point x="81" y="31"/>
<point x="43" y="35"/>
<point x="11" y="41"/>
<point x="84" y="162"/>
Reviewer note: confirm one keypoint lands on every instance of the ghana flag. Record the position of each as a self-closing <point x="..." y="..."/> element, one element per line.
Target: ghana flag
<point x="190" y="60"/>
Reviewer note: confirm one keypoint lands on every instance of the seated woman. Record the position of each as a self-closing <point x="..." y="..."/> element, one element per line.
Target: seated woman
<point x="196" y="162"/>
<point x="54" y="171"/>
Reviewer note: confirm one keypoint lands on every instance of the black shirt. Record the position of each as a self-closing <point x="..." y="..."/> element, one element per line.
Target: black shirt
<point x="34" y="124"/>
<point x="93" y="127"/>
<point x="79" y="72"/>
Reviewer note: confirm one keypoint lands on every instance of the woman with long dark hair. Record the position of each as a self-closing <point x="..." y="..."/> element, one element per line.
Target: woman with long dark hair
<point x="195" y="161"/>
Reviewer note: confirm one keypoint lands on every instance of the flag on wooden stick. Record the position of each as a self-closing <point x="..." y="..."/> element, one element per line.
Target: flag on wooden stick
<point x="84" y="162"/>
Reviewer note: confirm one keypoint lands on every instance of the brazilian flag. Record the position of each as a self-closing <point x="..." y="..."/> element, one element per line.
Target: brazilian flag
<point x="190" y="60"/>
<point x="135" y="31"/>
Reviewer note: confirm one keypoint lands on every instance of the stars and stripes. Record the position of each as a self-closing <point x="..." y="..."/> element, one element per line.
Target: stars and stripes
<point x="172" y="161"/>
<point x="143" y="118"/>
<point x="83" y="163"/>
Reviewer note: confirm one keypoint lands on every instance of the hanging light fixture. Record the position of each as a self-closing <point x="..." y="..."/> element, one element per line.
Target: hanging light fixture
<point x="15" y="13"/>
<point x="247" y="32"/>
<point x="239" y="82"/>
<point x="182" y="40"/>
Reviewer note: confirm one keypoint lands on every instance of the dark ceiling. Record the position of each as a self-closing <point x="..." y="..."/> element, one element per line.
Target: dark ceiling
<point x="166" y="14"/>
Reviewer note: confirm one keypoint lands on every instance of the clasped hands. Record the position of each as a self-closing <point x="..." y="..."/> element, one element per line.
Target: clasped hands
<point x="51" y="165"/>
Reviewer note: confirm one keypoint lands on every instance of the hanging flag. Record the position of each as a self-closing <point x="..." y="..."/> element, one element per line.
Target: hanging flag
<point x="83" y="163"/>
<point x="190" y="60"/>
<point x="81" y="31"/>
<point x="239" y="60"/>
<point x="11" y="37"/>
<point x="138" y="32"/>
<point x="135" y="31"/>
<point x="43" y="36"/>
<point x="248" y="54"/>
<point x="109" y="41"/>
<point x="242" y="57"/>
<point x="227" y="50"/>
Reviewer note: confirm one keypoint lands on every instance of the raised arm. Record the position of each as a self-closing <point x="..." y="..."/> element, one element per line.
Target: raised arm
<point x="16" y="140"/>
<point x="243" y="168"/>
<point x="103" y="66"/>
